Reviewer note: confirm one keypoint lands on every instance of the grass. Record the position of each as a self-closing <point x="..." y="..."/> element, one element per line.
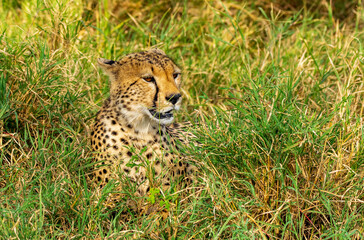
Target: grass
<point x="275" y="92"/>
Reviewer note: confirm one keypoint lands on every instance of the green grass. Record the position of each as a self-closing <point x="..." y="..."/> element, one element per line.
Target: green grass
<point x="275" y="92"/>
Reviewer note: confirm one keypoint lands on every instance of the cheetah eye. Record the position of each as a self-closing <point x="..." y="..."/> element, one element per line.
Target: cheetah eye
<point x="176" y="75"/>
<point x="149" y="79"/>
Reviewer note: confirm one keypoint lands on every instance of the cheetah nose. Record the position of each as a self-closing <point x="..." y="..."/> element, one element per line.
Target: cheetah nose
<point x="173" y="98"/>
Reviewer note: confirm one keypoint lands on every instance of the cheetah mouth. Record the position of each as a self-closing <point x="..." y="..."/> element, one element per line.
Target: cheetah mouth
<point x="159" y="115"/>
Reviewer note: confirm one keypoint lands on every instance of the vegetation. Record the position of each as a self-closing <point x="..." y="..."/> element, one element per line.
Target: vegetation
<point x="275" y="92"/>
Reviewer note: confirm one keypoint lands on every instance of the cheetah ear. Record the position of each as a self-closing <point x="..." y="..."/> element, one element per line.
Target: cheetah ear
<point x="157" y="50"/>
<point x="106" y="65"/>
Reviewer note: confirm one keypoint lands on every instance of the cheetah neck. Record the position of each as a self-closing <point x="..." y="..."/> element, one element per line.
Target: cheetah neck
<point x="144" y="125"/>
<point x="137" y="121"/>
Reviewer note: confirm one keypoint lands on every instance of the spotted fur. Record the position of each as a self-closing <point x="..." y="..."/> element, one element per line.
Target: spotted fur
<point x="132" y="136"/>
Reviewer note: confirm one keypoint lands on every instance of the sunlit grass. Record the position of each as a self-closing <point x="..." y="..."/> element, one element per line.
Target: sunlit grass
<point x="275" y="94"/>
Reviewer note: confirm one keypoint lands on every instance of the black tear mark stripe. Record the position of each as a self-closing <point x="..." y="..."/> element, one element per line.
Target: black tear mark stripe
<point x="156" y="94"/>
<point x="130" y="86"/>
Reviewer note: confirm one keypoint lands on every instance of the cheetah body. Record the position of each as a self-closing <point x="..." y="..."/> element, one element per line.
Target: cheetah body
<point x="131" y="137"/>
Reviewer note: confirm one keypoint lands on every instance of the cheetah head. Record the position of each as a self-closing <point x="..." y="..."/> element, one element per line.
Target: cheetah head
<point x="145" y="86"/>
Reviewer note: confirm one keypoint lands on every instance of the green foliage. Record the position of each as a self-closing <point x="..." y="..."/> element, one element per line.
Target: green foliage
<point x="275" y="92"/>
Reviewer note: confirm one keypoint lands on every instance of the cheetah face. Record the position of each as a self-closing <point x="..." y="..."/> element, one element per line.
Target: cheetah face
<point x="164" y="105"/>
<point x="145" y="85"/>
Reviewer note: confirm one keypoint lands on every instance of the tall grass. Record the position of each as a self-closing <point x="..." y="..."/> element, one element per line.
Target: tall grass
<point x="274" y="90"/>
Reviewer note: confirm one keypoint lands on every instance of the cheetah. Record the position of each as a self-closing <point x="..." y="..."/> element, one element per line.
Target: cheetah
<point x="133" y="135"/>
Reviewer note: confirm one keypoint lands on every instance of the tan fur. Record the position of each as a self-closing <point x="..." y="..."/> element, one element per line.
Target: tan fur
<point x="128" y="141"/>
